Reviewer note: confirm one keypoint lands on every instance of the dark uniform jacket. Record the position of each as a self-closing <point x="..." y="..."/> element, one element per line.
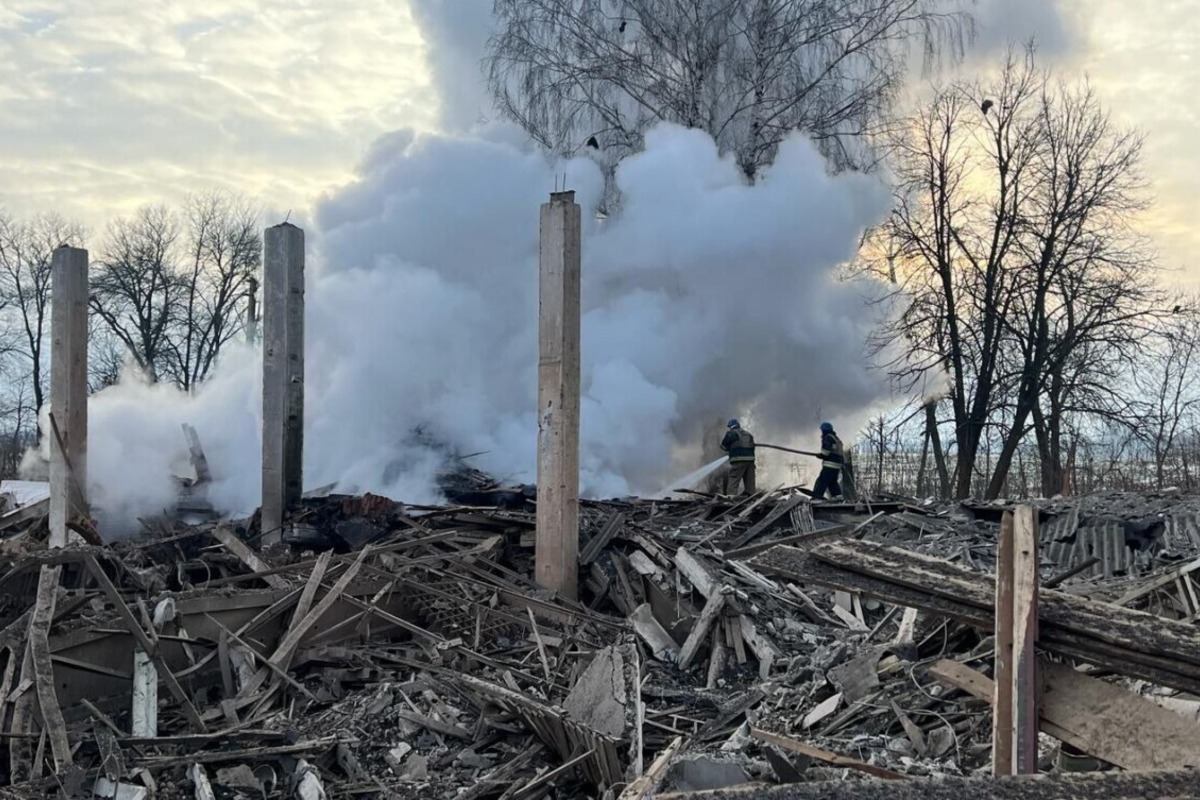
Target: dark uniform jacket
<point x="831" y="451"/>
<point x="739" y="444"/>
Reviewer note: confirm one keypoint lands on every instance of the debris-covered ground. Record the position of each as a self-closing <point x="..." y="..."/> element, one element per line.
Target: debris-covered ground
<point x="387" y="650"/>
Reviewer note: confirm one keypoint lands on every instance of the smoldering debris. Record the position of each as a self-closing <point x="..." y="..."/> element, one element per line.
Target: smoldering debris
<point x="763" y="645"/>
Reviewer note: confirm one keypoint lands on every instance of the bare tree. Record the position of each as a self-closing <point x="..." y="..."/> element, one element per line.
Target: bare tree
<point x="137" y="290"/>
<point x="961" y="182"/>
<point x="1023" y="278"/>
<point x="1168" y="386"/>
<point x="575" y="73"/>
<point x="170" y="289"/>
<point x="26" y="251"/>
<point x="107" y="355"/>
<point x="224" y="251"/>
<point x="1085" y="297"/>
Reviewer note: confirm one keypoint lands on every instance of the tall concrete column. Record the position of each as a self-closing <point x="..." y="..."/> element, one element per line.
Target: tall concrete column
<point x="283" y="377"/>
<point x="68" y="391"/>
<point x="557" y="551"/>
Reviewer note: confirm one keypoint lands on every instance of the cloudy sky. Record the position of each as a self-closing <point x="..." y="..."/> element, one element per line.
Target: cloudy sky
<point x="108" y="104"/>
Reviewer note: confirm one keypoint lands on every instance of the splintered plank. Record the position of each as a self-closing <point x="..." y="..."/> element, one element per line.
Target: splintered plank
<point x="826" y="756"/>
<point x="1002" y="702"/>
<point x="1133" y="643"/>
<point x="565" y="736"/>
<point x="1158" y="583"/>
<point x="1067" y="786"/>
<point x="595" y="546"/>
<point x="700" y="629"/>
<point x="39" y="646"/>
<point x="1117" y="725"/>
<point x="147" y="645"/>
<point x="770" y="519"/>
<point x="1102" y="720"/>
<point x="759" y="499"/>
<point x="1024" y="636"/>
<point x="247" y="556"/>
<point x="24" y="514"/>
<point x="642" y="786"/>
<point x="302" y="623"/>
<point x="444" y="728"/>
<point x="805" y="539"/>
<point x="694" y="570"/>
<point x="662" y="646"/>
<point x="762" y="648"/>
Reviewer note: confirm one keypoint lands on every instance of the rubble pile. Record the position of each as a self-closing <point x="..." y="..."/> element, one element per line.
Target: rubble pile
<point x="390" y="650"/>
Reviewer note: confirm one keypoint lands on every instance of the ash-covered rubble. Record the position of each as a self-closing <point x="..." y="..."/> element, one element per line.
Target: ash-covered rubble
<point x="392" y="650"/>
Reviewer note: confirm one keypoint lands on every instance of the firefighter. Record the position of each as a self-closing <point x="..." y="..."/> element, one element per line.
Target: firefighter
<point x="739" y="444"/>
<point x="832" y="458"/>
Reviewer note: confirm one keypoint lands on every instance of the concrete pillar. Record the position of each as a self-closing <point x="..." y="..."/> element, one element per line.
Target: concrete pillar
<point x="283" y="377"/>
<point x="558" y="396"/>
<point x="68" y="391"/>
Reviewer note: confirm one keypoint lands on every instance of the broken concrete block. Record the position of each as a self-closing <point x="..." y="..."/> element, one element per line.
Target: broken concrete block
<point x="417" y="769"/>
<point x="599" y="699"/>
<point x="859" y="677"/>
<point x="111" y="790"/>
<point x="607" y="698"/>
<point x="395" y="756"/>
<point x="239" y="777"/>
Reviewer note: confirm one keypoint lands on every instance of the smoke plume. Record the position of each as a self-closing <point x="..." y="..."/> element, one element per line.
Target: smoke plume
<point x="703" y="297"/>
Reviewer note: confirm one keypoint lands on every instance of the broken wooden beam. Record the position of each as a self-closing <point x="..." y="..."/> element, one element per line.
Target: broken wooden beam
<point x="826" y="756"/>
<point x="595" y="545"/>
<point x="1133" y="643"/>
<point x="645" y="784"/>
<point x="144" y="641"/>
<point x="662" y="646"/>
<point x="1014" y="733"/>
<point x="247" y="556"/>
<point x="1066" y="786"/>
<point x="39" y="647"/>
<point x="1100" y="719"/>
<point x="1024" y="694"/>
<point x="805" y="539"/>
<point x="694" y="570"/>
<point x="770" y="519"/>
<point x="196" y="450"/>
<point x="700" y="629"/>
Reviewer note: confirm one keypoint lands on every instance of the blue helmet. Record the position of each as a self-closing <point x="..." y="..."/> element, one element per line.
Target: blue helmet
<point x="733" y="423"/>
<point x="826" y="427"/>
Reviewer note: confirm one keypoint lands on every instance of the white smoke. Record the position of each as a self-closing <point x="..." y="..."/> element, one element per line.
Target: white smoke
<point x="703" y="297"/>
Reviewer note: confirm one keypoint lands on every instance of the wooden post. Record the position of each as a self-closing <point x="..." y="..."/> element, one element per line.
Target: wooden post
<point x="1015" y="705"/>
<point x="144" y="717"/>
<point x="1025" y="632"/>
<point x="68" y="391"/>
<point x="558" y="396"/>
<point x="1002" y="741"/>
<point x="283" y="377"/>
